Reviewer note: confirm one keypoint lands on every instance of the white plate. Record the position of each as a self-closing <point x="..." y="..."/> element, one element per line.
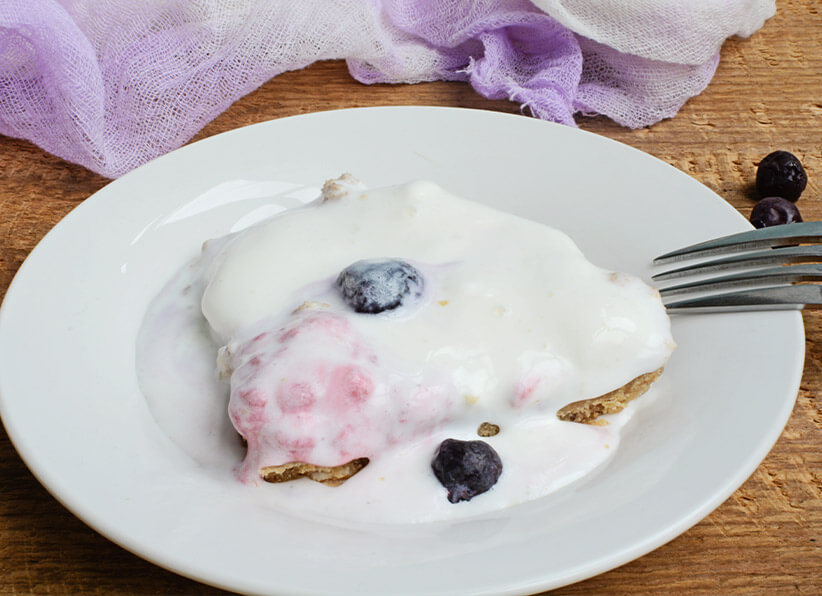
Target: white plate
<point x="71" y="404"/>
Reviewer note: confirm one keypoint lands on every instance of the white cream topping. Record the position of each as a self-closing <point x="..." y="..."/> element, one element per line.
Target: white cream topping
<point x="505" y="295"/>
<point x="514" y="323"/>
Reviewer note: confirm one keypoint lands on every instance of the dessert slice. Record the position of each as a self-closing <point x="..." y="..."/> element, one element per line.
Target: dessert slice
<point x="370" y="319"/>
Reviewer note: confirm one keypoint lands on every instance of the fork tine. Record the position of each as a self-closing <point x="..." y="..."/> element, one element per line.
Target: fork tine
<point x="791" y="254"/>
<point x="772" y="236"/>
<point x="779" y="298"/>
<point x="767" y="276"/>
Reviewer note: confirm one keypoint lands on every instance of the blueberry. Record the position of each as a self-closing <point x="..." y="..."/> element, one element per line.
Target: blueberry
<point x="774" y="211"/>
<point x="376" y="285"/>
<point x="466" y="468"/>
<point x="780" y="174"/>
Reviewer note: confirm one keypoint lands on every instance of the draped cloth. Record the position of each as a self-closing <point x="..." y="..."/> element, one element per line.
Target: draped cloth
<point x="112" y="85"/>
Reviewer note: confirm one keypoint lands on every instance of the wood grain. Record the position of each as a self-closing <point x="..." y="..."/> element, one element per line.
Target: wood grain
<point x="765" y="539"/>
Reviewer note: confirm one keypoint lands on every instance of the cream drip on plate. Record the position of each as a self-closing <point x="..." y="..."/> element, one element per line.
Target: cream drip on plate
<point x="513" y="324"/>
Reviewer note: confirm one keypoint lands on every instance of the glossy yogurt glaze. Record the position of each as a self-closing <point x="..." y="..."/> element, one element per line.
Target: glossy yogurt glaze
<point x="512" y="325"/>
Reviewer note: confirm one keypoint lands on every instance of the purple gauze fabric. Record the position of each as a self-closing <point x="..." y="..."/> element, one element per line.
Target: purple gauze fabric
<point x="111" y="85"/>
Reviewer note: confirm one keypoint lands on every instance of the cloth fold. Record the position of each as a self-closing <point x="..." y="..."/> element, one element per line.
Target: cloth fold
<point x="111" y="85"/>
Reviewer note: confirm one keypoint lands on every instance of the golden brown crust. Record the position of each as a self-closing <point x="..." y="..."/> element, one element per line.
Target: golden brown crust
<point x="585" y="411"/>
<point x="488" y="429"/>
<point x="338" y="187"/>
<point x="330" y="475"/>
<point x="588" y="410"/>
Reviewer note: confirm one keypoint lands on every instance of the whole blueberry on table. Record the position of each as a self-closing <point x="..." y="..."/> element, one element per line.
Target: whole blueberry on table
<point x="780" y="174"/>
<point x="466" y="468"/>
<point x="774" y="211"/>
<point x="376" y="285"/>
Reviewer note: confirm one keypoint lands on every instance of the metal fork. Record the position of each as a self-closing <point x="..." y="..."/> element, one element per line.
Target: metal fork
<point x="776" y="270"/>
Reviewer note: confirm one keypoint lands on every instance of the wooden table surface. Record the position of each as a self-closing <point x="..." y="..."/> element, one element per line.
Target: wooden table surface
<point x="765" y="539"/>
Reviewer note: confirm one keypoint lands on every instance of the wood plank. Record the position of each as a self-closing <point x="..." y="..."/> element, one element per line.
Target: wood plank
<point x="766" y="95"/>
